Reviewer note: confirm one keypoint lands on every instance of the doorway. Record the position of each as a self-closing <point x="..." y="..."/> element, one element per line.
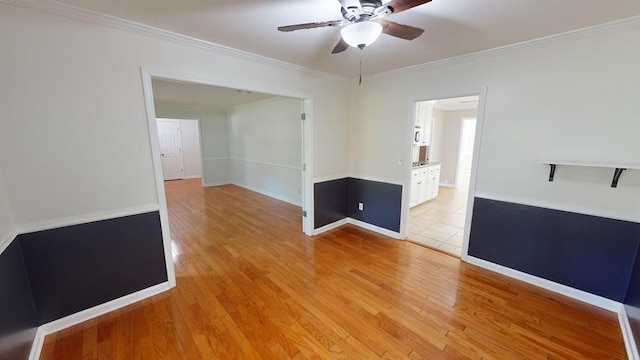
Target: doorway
<point x="180" y="150"/>
<point x="170" y="149"/>
<point x="439" y="221"/>
<point x="173" y="98"/>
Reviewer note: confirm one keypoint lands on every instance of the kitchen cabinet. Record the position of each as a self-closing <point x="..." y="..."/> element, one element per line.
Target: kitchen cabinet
<point x="425" y="181"/>
<point x="424" y="121"/>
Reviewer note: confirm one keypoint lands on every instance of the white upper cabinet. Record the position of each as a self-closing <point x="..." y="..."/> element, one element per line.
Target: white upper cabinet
<point x="424" y="120"/>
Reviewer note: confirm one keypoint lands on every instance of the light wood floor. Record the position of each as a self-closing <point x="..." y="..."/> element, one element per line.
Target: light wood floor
<point x="252" y="286"/>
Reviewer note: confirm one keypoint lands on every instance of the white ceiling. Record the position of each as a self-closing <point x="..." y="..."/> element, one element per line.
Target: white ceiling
<point x="452" y="27"/>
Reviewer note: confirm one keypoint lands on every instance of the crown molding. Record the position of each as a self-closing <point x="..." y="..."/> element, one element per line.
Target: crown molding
<point x="89" y="16"/>
<point x="94" y="17"/>
<point x="539" y="42"/>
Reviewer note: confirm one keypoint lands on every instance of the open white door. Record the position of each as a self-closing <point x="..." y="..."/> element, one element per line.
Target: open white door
<point x="170" y="149"/>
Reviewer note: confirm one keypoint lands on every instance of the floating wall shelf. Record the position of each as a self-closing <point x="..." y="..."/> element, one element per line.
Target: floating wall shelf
<point x="619" y="168"/>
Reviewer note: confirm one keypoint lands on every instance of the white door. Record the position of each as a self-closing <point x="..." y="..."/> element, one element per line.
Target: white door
<point x="170" y="149"/>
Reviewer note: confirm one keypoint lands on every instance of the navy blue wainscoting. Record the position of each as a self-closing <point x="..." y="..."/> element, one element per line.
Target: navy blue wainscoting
<point x="18" y="315"/>
<point x="330" y="201"/>
<point x="78" y="267"/>
<point x="632" y="301"/>
<point x="338" y="199"/>
<point x="382" y="203"/>
<point x="589" y="253"/>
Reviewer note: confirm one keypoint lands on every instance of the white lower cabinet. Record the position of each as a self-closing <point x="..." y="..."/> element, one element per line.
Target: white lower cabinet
<point x="424" y="184"/>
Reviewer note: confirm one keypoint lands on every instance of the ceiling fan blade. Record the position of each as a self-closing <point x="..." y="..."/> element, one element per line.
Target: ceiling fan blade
<point x="340" y="47"/>
<point x="399" y="30"/>
<point x="402" y="5"/>
<point x="311" y="25"/>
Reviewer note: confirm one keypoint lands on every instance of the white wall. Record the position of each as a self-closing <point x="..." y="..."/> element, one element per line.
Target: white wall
<point x="215" y="138"/>
<point x="436" y="141"/>
<point x="447" y="142"/>
<point x="192" y="161"/>
<point x="570" y="98"/>
<point x="266" y="147"/>
<point x="74" y="117"/>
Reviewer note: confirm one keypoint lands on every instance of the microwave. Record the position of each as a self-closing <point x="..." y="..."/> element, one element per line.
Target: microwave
<point x="417" y="136"/>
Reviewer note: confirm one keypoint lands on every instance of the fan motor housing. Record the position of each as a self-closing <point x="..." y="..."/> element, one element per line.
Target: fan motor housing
<point x="367" y="10"/>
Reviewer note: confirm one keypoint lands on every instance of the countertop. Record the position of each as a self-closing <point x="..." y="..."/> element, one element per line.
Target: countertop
<point x="428" y="163"/>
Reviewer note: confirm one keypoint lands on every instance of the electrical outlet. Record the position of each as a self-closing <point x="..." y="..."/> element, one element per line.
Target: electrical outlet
<point x="360" y="206"/>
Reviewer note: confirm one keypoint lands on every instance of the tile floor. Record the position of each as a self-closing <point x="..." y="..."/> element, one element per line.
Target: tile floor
<point x="439" y="223"/>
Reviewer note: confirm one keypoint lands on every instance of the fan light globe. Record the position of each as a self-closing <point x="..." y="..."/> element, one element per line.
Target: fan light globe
<point x="361" y="34"/>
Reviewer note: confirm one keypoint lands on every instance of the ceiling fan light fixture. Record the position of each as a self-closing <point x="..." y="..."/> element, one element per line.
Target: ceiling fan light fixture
<point x="361" y="34"/>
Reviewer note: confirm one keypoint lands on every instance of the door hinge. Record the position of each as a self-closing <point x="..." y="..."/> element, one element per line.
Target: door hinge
<point x="303" y="116"/>
<point x="304" y="213"/>
<point x="304" y="167"/>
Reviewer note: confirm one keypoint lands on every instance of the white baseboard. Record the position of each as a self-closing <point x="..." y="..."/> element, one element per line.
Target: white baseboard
<point x="220" y="183"/>
<point x="374" y="228"/>
<point x="357" y="223"/>
<point x="266" y="193"/>
<point x="331" y="226"/>
<point x="85" y="218"/>
<point x="579" y="295"/>
<point x="77" y="318"/>
<point x="191" y="177"/>
<point x="627" y="335"/>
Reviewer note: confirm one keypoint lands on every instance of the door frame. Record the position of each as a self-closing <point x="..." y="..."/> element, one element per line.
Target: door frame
<point x="307" y="145"/>
<point x="404" y="220"/>
<point x="197" y="120"/>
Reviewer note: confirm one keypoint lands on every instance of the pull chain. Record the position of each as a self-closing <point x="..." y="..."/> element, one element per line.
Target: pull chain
<point x="360" y="79"/>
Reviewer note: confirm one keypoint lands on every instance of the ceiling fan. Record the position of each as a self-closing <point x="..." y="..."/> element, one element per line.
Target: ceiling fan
<point x="364" y="20"/>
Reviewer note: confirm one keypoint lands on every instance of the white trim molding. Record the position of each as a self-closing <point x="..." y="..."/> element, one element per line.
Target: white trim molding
<point x="7" y="239"/>
<point x="266" y="193"/>
<point x="558" y="206"/>
<point x="85" y="218"/>
<point x="94" y="17"/>
<point x="543" y="41"/>
<point x="382" y="180"/>
<point x="374" y="228"/>
<point x="220" y="183"/>
<point x="576" y="294"/>
<point x="268" y="163"/>
<point x="360" y="224"/>
<point x="154" y="141"/>
<point x="329" y="178"/>
<point x="333" y="225"/>
<point x="627" y="334"/>
<point x="88" y="314"/>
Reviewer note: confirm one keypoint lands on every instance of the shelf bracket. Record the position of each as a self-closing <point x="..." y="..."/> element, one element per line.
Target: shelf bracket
<point x="616" y="177"/>
<point x="552" y="171"/>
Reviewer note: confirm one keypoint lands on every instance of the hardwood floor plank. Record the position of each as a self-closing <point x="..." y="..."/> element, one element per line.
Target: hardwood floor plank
<point x="251" y="285"/>
<point x="48" y="347"/>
